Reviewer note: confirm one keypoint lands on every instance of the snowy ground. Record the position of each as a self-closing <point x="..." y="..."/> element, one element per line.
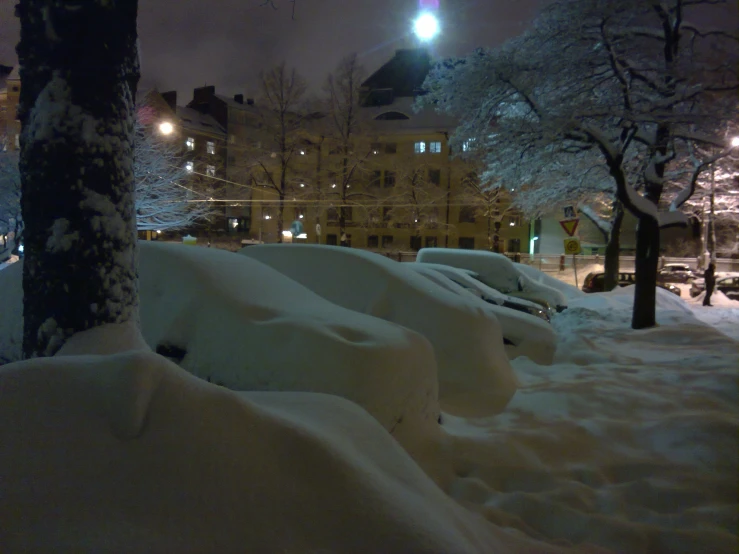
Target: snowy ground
<point x="628" y="441"/>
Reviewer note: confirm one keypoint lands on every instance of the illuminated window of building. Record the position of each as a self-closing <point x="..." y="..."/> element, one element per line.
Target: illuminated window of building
<point x="211" y="147"/>
<point x="190" y="166"/>
<point x="435" y="147"/>
<point x="420" y="147"/>
<point x="210" y="171"/>
<point x="190" y="143"/>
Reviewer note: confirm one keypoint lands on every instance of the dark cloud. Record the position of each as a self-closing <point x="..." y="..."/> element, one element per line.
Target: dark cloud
<point x="188" y="43"/>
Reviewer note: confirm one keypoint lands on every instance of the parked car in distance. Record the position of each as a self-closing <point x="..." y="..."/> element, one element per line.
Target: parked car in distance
<point x="676" y="273"/>
<point x="526" y="329"/>
<point x="728" y="284"/>
<point x="472" y="282"/>
<point x="497" y="272"/>
<point x="595" y="282"/>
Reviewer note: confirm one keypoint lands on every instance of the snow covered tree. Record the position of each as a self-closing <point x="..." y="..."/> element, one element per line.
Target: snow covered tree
<point x="79" y="68"/>
<point x="629" y="86"/>
<point x="166" y="198"/>
<point x="11" y="220"/>
<point x="715" y="202"/>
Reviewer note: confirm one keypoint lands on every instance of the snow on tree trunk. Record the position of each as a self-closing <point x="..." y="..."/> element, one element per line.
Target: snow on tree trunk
<point x="79" y="67"/>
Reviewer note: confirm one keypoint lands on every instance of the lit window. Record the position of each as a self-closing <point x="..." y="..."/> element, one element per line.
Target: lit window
<point x="420" y="147"/>
<point x="190" y="167"/>
<point x="435" y="147"/>
<point x="514" y="220"/>
<point x="210" y="171"/>
<point x="190" y="143"/>
<point x="211" y="147"/>
<point x="376" y="146"/>
<point x="468" y="145"/>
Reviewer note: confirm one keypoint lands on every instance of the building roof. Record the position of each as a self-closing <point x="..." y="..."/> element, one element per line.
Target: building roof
<point x="231" y="103"/>
<point x="199" y="122"/>
<point x="400" y="77"/>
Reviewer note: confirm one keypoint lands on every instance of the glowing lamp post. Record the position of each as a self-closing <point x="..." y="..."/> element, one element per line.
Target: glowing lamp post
<point x="426" y="26"/>
<point x="166" y="128"/>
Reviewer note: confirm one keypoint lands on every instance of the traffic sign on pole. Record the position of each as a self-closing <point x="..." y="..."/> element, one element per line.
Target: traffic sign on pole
<point x="569" y="225"/>
<point x="572" y="246"/>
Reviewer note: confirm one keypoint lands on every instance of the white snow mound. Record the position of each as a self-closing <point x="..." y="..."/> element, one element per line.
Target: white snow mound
<point x="475" y="376"/>
<point x="570" y="291"/>
<point x="128" y="453"/>
<point x="234" y="321"/>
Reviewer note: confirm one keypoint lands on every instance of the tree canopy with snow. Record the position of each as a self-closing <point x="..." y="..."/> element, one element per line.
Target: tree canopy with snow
<point x="625" y="87"/>
<point x="165" y="196"/>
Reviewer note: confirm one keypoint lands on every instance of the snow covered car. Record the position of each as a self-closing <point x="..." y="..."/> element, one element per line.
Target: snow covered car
<point x="475" y="375"/>
<point x="498" y="272"/>
<point x="595" y="282"/>
<point x="675" y="273"/>
<point x="526" y="331"/>
<point x="728" y="284"/>
<point x="470" y="281"/>
<point x="233" y="321"/>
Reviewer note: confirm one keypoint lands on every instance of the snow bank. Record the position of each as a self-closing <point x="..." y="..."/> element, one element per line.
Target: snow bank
<point x="128" y="453"/>
<point x="537" y="276"/>
<point x="495" y="270"/>
<point x="243" y="324"/>
<point x="475" y="375"/>
<point x="629" y="441"/>
<point x="234" y="321"/>
<point x="526" y="335"/>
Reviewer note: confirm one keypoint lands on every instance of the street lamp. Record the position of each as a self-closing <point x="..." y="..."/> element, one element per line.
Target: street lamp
<point x="426" y="26"/>
<point x="166" y="128"/>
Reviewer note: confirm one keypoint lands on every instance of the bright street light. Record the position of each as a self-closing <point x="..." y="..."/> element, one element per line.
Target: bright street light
<point x="426" y="26"/>
<point x="166" y="128"/>
<point x="734" y="142"/>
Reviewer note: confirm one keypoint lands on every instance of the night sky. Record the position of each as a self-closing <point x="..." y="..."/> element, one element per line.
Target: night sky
<point x="189" y="43"/>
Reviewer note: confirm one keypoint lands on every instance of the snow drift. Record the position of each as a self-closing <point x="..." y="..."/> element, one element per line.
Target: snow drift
<point x="475" y="376"/>
<point x="128" y="453"/>
<point x="234" y="321"/>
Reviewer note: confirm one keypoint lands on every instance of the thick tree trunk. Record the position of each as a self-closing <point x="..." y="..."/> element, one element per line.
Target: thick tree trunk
<point x="613" y="248"/>
<point x="79" y="69"/>
<point x="647" y="259"/>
